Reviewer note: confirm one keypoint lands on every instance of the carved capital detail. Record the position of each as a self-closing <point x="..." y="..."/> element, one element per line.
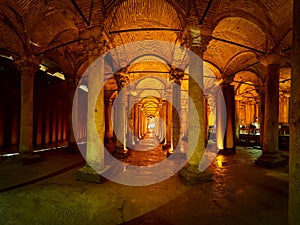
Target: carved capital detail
<point x="176" y="75"/>
<point x="122" y="78"/>
<point x="93" y="41"/>
<point x="28" y="66"/>
<point x="197" y="38"/>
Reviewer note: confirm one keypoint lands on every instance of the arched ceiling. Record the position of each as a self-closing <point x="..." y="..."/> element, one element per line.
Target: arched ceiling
<point x="243" y="31"/>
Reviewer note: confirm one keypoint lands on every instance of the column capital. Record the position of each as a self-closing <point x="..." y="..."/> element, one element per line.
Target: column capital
<point x="197" y="38"/>
<point x="28" y="65"/>
<point x="93" y="41"/>
<point x="276" y="59"/>
<point x="176" y="75"/>
<point x="122" y="78"/>
<point x="226" y="80"/>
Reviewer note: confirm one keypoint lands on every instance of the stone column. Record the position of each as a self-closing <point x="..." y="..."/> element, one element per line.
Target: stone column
<point x="205" y="119"/>
<point x="237" y="119"/>
<point x="261" y="117"/>
<point x="136" y="122"/>
<point x="167" y="144"/>
<point x="139" y="121"/>
<point x="176" y="75"/>
<point x="72" y="86"/>
<point x="270" y="156"/>
<point x="193" y="172"/>
<point x="294" y="164"/>
<point x="226" y="135"/>
<point x="120" y="127"/>
<point x="94" y="43"/>
<point x="27" y="68"/>
<point x="163" y="122"/>
<point x="130" y="126"/>
<point x="108" y="120"/>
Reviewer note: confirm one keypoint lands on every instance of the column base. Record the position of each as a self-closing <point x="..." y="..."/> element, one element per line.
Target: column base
<point x="191" y="175"/>
<point x="271" y="160"/>
<point x="29" y="158"/>
<point x="120" y="153"/>
<point x="88" y="174"/>
<point x="177" y="155"/>
<point x="227" y="151"/>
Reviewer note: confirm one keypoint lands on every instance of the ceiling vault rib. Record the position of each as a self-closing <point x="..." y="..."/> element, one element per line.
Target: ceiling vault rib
<point x="91" y="11"/>
<point x="205" y="12"/>
<point x="80" y="12"/>
<point x="238" y="44"/>
<point x="56" y="47"/>
<point x="145" y="29"/>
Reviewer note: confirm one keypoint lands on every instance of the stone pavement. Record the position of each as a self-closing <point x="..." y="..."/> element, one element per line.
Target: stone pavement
<point x="240" y="193"/>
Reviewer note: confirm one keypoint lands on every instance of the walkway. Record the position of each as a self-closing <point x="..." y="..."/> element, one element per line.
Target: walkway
<point x="147" y="152"/>
<point x="241" y="193"/>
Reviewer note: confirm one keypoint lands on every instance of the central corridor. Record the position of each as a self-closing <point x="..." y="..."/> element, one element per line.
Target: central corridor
<point x="147" y="152"/>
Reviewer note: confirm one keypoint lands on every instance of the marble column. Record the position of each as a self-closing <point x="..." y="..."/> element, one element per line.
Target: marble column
<point x="176" y="75"/>
<point x="120" y="127"/>
<point x="294" y="163"/>
<point x="194" y="172"/>
<point x="94" y="43"/>
<point x="27" y="69"/>
<point x="270" y="156"/>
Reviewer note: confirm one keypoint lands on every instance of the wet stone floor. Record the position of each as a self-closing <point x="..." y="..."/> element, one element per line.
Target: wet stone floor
<point x="240" y="193"/>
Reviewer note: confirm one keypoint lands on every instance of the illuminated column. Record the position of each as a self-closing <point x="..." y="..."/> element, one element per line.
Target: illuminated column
<point x="108" y="120"/>
<point x="237" y="118"/>
<point x="205" y="120"/>
<point x="164" y="122"/>
<point x="27" y="69"/>
<point x="139" y="121"/>
<point x="72" y="98"/>
<point x="136" y="122"/>
<point x="120" y="128"/>
<point x="130" y="126"/>
<point x="94" y="43"/>
<point x="176" y="75"/>
<point x="261" y="116"/>
<point x="294" y="151"/>
<point x="167" y="144"/>
<point x="285" y="108"/>
<point x="194" y="171"/>
<point x="270" y="156"/>
<point x="226" y="119"/>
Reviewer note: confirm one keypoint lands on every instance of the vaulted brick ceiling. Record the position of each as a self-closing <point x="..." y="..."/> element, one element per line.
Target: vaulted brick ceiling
<point x="33" y="26"/>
